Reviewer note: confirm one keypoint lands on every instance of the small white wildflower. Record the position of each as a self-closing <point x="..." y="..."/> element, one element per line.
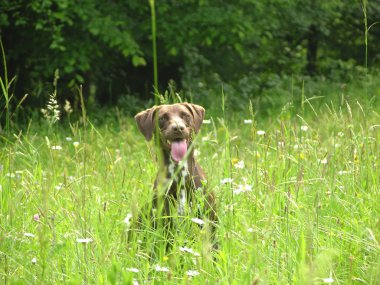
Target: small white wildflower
<point x="242" y="189"/>
<point x="328" y="280"/>
<point x="29" y="235"/>
<point x="340" y="134"/>
<point x="260" y="132"/>
<point x="248" y="121"/>
<point x="127" y="219"/>
<point x="296" y="146"/>
<point x="56" y="147"/>
<point x="250" y="230"/>
<point x="226" y="180"/>
<point x="84" y="240"/>
<point x="239" y="164"/>
<point x="304" y="128"/>
<point x="189" y="250"/>
<point x="186" y="249"/>
<point x="34" y="260"/>
<point x="135" y="282"/>
<point x="158" y="268"/>
<point x="132" y="269"/>
<point x="197" y="153"/>
<point x="69" y="139"/>
<point x="59" y="186"/>
<point x="198" y="221"/>
<point x="192" y="273"/>
<point x="75" y="144"/>
<point x="206" y="122"/>
<point x="322" y="161"/>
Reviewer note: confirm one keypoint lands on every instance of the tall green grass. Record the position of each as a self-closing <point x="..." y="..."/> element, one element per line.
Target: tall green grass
<point x="5" y="84"/>
<point x="297" y="193"/>
<point x="297" y="200"/>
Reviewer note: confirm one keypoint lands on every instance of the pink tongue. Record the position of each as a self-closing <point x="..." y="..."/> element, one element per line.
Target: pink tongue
<point x="178" y="150"/>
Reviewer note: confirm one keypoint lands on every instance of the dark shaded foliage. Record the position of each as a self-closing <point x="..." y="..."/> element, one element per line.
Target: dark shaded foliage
<point x="106" y="46"/>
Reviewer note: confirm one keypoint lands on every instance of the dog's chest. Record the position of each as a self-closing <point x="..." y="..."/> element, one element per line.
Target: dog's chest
<point x="179" y="175"/>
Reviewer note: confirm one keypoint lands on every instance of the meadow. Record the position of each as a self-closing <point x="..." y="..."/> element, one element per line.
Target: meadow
<point x="297" y="190"/>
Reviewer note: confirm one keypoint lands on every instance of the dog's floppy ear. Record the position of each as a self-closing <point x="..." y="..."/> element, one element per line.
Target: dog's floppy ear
<point x="198" y="113"/>
<point x="145" y="122"/>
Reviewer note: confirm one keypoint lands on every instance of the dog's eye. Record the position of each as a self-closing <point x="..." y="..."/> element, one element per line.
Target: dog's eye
<point x="186" y="117"/>
<point x="161" y="121"/>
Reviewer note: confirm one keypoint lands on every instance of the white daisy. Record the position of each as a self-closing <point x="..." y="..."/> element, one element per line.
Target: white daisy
<point x="56" y="147"/>
<point x="242" y="188"/>
<point x="239" y="164"/>
<point x="328" y="280"/>
<point x="192" y="273"/>
<point x="198" y="221"/>
<point x="127" y="219"/>
<point x="84" y="240"/>
<point x="132" y="269"/>
<point x="260" y="132"/>
<point x="186" y="249"/>
<point x="159" y="268"/>
<point x="226" y="180"/>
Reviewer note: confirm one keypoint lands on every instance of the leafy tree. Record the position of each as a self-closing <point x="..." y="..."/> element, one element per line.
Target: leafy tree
<point x="247" y="45"/>
<point x="83" y="40"/>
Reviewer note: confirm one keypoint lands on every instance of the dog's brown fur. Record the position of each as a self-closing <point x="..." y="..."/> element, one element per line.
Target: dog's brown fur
<point x="177" y="122"/>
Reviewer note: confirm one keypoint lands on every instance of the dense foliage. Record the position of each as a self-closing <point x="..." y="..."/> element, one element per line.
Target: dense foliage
<point x="246" y="45"/>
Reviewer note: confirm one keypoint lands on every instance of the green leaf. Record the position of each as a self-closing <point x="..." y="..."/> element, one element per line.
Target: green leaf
<point x="138" y="61"/>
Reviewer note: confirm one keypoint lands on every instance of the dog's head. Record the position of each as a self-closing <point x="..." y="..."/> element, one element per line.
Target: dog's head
<point x="176" y="123"/>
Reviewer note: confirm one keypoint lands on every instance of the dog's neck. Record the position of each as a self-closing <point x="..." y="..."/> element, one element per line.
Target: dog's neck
<point x="177" y="169"/>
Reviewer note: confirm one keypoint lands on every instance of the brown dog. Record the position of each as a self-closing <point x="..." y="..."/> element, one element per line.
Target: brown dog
<point x="179" y="176"/>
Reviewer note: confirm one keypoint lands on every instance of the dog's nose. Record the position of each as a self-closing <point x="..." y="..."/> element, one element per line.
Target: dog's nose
<point x="178" y="127"/>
